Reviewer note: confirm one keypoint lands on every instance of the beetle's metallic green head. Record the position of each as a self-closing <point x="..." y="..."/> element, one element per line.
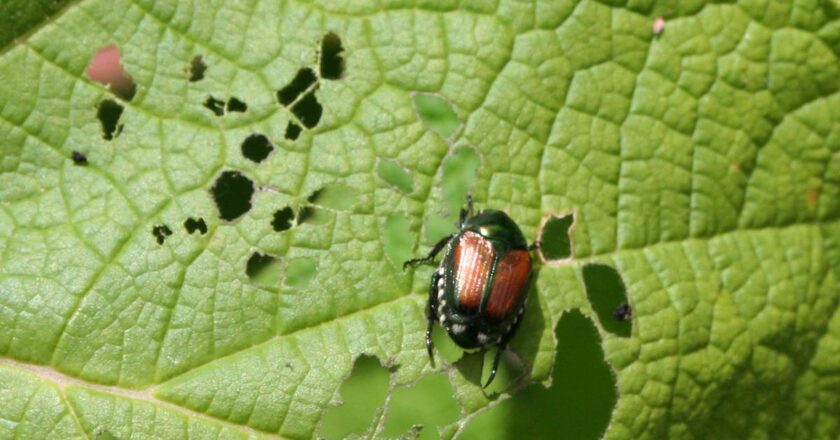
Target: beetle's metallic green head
<point x="498" y="227"/>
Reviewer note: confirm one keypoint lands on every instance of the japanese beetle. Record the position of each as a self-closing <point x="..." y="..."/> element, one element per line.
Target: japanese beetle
<point x="478" y="292"/>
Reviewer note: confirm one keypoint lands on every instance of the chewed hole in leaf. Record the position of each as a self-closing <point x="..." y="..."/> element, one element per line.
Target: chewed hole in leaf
<point x="78" y="158"/>
<point x="292" y="131"/>
<point x="438" y="227"/>
<point x="300" y="271"/>
<point x="331" y="63"/>
<point x="607" y="293"/>
<point x="303" y="80"/>
<point x="283" y="219"/>
<point x="305" y="214"/>
<point x="555" y="237"/>
<point x="232" y="193"/>
<point x="578" y="403"/>
<point x="362" y="394"/>
<point x="308" y="110"/>
<point x="658" y="26"/>
<point x="458" y="175"/>
<point x="429" y="402"/>
<point x="161" y="232"/>
<point x="397" y="239"/>
<point x="444" y="347"/>
<point x="106" y="68"/>
<point x="236" y="105"/>
<point x="263" y="269"/>
<point x="256" y="147"/>
<point x="395" y="175"/>
<point x="197" y="69"/>
<point x="335" y="196"/>
<point x="108" y="112"/>
<point x="215" y="105"/>
<point x="436" y="113"/>
<point x="459" y="171"/>
<point x="193" y="225"/>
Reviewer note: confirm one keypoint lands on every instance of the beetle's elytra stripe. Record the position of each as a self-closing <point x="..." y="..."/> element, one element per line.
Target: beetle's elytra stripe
<point x="512" y="273"/>
<point x="473" y="260"/>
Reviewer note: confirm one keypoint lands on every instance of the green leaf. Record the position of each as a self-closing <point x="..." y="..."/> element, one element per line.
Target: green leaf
<point x="701" y="163"/>
<point x="17" y="17"/>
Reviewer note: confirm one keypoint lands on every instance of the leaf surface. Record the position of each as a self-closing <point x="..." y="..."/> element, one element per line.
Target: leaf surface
<point x="701" y="162"/>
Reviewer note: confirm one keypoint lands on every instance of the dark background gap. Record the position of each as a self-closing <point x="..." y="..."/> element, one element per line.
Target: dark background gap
<point x="192" y="225"/>
<point x="256" y="147"/>
<point x="283" y="219"/>
<point x="216" y="106"/>
<point x="304" y="78"/>
<point x="161" y="232"/>
<point x="579" y="403"/>
<point x="236" y="105"/>
<point x="332" y="63"/>
<point x="232" y="193"/>
<point x="108" y="112"/>
<point x="606" y="291"/>
<point x="292" y="131"/>
<point x="308" y="110"/>
<point x="555" y="243"/>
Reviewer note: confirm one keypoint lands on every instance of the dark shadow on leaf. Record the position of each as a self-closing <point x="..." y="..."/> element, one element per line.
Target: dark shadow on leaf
<point x="263" y="269"/>
<point x="197" y="69"/>
<point x="578" y="404"/>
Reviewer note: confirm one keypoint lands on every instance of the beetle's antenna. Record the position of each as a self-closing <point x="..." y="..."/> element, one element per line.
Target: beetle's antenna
<point x="466" y="212"/>
<point x="535" y="245"/>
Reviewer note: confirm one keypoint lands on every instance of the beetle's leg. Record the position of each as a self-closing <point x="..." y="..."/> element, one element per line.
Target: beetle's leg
<point x="502" y="345"/>
<point x="535" y="245"/>
<point x="496" y="360"/>
<point x="431" y="256"/>
<point x="431" y="316"/>
<point x="466" y="212"/>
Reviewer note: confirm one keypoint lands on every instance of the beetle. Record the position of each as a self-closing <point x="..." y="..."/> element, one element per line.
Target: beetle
<point x="479" y="290"/>
<point x="623" y="312"/>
